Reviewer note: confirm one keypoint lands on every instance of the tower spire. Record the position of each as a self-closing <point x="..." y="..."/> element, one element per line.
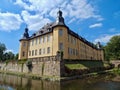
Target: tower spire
<point x="60" y="19"/>
<point x="26" y="34"/>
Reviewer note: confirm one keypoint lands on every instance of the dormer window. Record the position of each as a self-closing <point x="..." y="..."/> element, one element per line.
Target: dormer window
<point x="41" y="31"/>
<point x="33" y="34"/>
<point x="48" y="29"/>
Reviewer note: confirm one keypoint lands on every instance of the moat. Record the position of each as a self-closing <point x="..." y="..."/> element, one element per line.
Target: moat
<point x="101" y="82"/>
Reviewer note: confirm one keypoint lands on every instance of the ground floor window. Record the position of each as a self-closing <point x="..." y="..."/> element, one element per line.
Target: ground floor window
<point x="48" y="50"/>
<point x="35" y="52"/>
<point x="61" y="46"/>
<point x="23" y="54"/>
<point x="32" y="52"/>
<point x="29" y="53"/>
<point x="40" y="52"/>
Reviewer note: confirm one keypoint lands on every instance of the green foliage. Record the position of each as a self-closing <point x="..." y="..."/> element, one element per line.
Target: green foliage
<point x="28" y="62"/>
<point x="7" y="61"/>
<point x="22" y="61"/>
<point x="60" y="53"/>
<point x="2" y="50"/>
<point x="116" y="71"/>
<point x="112" y="49"/>
<point x="16" y="56"/>
<point x="8" y="56"/>
<point x="75" y="66"/>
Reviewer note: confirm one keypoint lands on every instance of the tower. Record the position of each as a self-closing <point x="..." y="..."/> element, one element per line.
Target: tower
<point x="60" y="19"/>
<point x="60" y="33"/>
<point x="23" y="51"/>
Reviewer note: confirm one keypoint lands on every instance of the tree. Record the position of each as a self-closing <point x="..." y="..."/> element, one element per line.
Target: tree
<point x="112" y="49"/>
<point x="2" y="50"/>
<point x="11" y="55"/>
<point x="16" y="56"/>
<point x="8" y="56"/>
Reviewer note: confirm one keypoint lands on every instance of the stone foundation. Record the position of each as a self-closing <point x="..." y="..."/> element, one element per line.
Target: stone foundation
<point x="46" y="66"/>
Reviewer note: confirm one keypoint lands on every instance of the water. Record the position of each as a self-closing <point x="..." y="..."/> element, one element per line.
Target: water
<point x="103" y="82"/>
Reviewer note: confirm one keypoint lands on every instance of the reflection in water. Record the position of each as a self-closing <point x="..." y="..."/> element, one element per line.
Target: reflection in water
<point x="19" y="83"/>
<point x="103" y="82"/>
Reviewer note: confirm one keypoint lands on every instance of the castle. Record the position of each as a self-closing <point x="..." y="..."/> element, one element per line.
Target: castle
<point x="57" y="36"/>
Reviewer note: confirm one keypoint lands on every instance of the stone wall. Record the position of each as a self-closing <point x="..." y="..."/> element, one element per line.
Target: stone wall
<point x="45" y="66"/>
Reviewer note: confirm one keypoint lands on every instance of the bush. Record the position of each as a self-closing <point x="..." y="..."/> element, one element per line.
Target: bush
<point x="22" y="61"/>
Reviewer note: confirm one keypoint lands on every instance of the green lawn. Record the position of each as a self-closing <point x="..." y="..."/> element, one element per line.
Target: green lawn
<point x="85" y="64"/>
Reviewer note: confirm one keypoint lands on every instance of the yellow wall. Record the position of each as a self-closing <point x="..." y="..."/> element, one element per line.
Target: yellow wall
<point x="55" y="41"/>
<point x="42" y="43"/>
<point x="63" y="39"/>
<point x="23" y="48"/>
<point x="77" y="48"/>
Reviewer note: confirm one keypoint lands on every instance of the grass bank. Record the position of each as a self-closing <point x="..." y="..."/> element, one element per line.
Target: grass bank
<point x="86" y="64"/>
<point x="75" y="68"/>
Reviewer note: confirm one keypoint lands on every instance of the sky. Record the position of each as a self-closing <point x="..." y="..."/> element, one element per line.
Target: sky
<point x="94" y="20"/>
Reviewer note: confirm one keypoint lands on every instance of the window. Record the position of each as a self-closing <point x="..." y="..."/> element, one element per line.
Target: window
<point x="73" y="51"/>
<point x="35" y="52"/>
<point x="60" y="32"/>
<point x="40" y="51"/>
<point x="43" y="50"/>
<point x="60" y="46"/>
<point x="40" y="41"/>
<point x="48" y="38"/>
<point x="68" y="38"/>
<point x="43" y="39"/>
<point x="24" y="44"/>
<point x="74" y="41"/>
<point x="36" y="41"/>
<point x="76" y="52"/>
<point x="71" y="39"/>
<point x="23" y="54"/>
<point x="68" y="50"/>
<point x="32" y="52"/>
<point x="32" y="42"/>
<point x="29" y="43"/>
<point x="48" y="50"/>
<point x="29" y="53"/>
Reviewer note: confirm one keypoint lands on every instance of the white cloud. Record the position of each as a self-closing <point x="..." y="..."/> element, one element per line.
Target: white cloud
<point x="34" y="22"/>
<point x="10" y="50"/>
<point x="96" y="25"/>
<point x="10" y="21"/>
<point x="39" y="5"/>
<point x="44" y="9"/>
<point x="105" y="38"/>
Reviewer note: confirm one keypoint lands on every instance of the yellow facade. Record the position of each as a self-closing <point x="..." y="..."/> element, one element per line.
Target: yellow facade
<point x="23" y="53"/>
<point x="58" y="38"/>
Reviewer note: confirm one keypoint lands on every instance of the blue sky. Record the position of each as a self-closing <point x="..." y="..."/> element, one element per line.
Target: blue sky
<point x="95" y="20"/>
